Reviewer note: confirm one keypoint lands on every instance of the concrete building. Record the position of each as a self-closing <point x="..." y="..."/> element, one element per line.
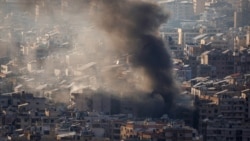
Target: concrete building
<point x="170" y="6"/>
<point x="5" y="48"/>
<point x="91" y="100"/>
<point x="241" y="61"/>
<point x="216" y="41"/>
<point x="222" y="61"/>
<point x="239" y="5"/>
<point x="183" y="73"/>
<point x="180" y="134"/>
<point x="180" y="36"/>
<point x="186" y="35"/>
<point x="207" y="110"/>
<point x="248" y="36"/>
<point x="210" y="30"/>
<point x="245" y="94"/>
<point x="241" y="8"/>
<point x="231" y="105"/>
<point x="226" y="130"/>
<point x="178" y="9"/>
<point x="185" y="10"/>
<point x="222" y="107"/>
<point x="198" y="39"/>
<point x="193" y="50"/>
<point x="149" y="130"/>
<point x="199" y="6"/>
<point x="115" y="129"/>
<point x="171" y="35"/>
<point x="206" y="70"/>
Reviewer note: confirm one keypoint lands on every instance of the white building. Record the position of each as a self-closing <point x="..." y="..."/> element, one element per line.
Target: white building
<point x="178" y="9"/>
<point x="199" y="6"/>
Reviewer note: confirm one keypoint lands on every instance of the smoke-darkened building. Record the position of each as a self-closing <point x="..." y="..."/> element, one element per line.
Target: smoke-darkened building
<point x="90" y="100"/>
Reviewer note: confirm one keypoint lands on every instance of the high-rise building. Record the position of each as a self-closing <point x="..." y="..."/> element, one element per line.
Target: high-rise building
<point x="239" y="5"/>
<point x="178" y="9"/>
<point x="241" y="16"/>
<point x="248" y="36"/>
<point x="199" y="6"/>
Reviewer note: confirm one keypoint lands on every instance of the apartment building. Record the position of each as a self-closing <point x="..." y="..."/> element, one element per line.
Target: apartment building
<point x="231" y="105"/>
<point x="210" y="30"/>
<point x="241" y="60"/>
<point x="186" y="35"/>
<point x="169" y="5"/>
<point x="180" y="36"/>
<point x="185" y="10"/>
<point x="193" y="50"/>
<point x="170" y="35"/>
<point x="5" y="48"/>
<point x="91" y="100"/>
<point x="115" y="129"/>
<point x="223" y="108"/>
<point x="223" y="61"/>
<point x="239" y="5"/>
<point x="199" y="6"/>
<point x="206" y="70"/>
<point x="245" y="94"/>
<point x="216" y="41"/>
<point x="149" y="130"/>
<point x="207" y="110"/>
<point x="183" y="73"/>
<point x="220" y="129"/>
<point x="179" y="133"/>
<point x="178" y="9"/>
<point x="241" y="8"/>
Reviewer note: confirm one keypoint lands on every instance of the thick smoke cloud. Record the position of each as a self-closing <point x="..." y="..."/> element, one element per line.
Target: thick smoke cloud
<point x="104" y="32"/>
<point x="133" y="29"/>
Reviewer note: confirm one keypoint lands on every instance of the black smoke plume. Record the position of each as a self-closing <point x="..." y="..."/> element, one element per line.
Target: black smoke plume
<point x="133" y="29"/>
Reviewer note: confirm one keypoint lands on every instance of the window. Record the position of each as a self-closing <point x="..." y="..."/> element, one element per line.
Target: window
<point x="46" y="132"/>
<point x="215" y="111"/>
<point x="26" y="120"/>
<point x="18" y="126"/>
